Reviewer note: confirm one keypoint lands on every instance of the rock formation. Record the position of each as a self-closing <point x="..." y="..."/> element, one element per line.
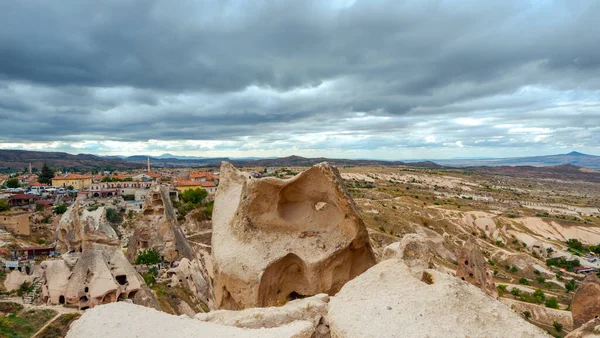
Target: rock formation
<point x="157" y="228"/>
<point x="312" y="309"/>
<point x="585" y="305"/>
<point x="413" y="250"/>
<point x="128" y="320"/>
<point x="190" y="275"/>
<point x="279" y="239"/>
<point x="472" y="267"/>
<point x="590" y="329"/>
<point x="388" y="301"/>
<point x="96" y="276"/>
<point x="83" y="225"/>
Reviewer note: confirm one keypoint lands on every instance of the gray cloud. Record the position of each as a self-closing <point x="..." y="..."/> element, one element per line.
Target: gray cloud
<point x="333" y="77"/>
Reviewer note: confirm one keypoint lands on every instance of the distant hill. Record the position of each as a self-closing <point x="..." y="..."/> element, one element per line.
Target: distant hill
<point x="300" y="161"/>
<point x="573" y="158"/>
<point x="20" y="159"/>
<point x="172" y="162"/>
<point x="559" y="172"/>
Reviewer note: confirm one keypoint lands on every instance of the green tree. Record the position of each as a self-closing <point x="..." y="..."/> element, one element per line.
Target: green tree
<point x="552" y="303"/>
<point x="113" y="216"/>
<point x="194" y="196"/>
<point x="501" y="289"/>
<point x="527" y="314"/>
<point x="70" y="187"/>
<point x="4" y="206"/>
<point x="106" y="179"/>
<point x="515" y="292"/>
<point x="45" y="177"/>
<point x="148" y="257"/>
<point x="523" y="281"/>
<point x="13" y="183"/>
<point x="557" y="326"/>
<point x="540" y="280"/>
<point x="539" y="296"/>
<point x="570" y="285"/>
<point x="60" y="209"/>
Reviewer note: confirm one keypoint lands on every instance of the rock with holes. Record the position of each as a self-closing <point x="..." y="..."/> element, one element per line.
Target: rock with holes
<point x="275" y="240"/>
<point x="83" y="225"/>
<point x="388" y="301"/>
<point x="97" y="276"/>
<point x="157" y="228"/>
<point x="472" y="267"/>
<point x="189" y="274"/>
<point x="586" y="302"/>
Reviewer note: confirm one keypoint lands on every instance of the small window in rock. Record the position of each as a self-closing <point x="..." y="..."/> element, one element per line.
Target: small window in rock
<point x="61" y="299"/>
<point x="86" y="290"/>
<point x="121" y="279"/>
<point x="466" y="262"/>
<point x="83" y="299"/>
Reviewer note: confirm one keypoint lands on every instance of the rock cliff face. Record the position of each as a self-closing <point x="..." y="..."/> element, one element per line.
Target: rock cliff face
<point x="472" y="267"/>
<point x="590" y="329"/>
<point x="157" y="228"/>
<point x="282" y="239"/>
<point x="81" y="226"/>
<point x="586" y="302"/>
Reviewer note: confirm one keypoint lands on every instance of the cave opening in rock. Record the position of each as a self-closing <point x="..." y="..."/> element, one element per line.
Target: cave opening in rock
<point x="61" y="299"/>
<point x="121" y="279"/>
<point x="86" y="289"/>
<point x="295" y="295"/>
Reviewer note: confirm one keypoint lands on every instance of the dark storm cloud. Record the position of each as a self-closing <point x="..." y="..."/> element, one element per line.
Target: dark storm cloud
<point x="392" y="72"/>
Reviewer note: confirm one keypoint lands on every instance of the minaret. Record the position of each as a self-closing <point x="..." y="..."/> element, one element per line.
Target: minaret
<point x="30" y="169"/>
<point x="148" y="163"/>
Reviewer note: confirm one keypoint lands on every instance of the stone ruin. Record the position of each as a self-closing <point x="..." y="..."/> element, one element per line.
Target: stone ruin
<point x="472" y="267"/>
<point x="157" y="228"/>
<point x="82" y="225"/>
<point x="275" y="240"/>
<point x="585" y="305"/>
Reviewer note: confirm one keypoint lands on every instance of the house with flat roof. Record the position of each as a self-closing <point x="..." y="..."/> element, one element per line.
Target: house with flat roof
<point x="16" y="222"/>
<point x="78" y="182"/>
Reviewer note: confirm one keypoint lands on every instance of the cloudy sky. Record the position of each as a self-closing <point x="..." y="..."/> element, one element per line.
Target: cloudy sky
<point x="355" y="79"/>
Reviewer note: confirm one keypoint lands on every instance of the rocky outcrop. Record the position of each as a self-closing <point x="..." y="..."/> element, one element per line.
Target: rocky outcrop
<point x="128" y="320"/>
<point x="97" y="276"/>
<point x="413" y="250"/>
<point x="388" y="301"/>
<point x="541" y="315"/>
<point x="83" y="225"/>
<point x="279" y="239"/>
<point x="156" y="228"/>
<point x="312" y="309"/>
<point x="190" y="275"/>
<point x="585" y="305"/>
<point x="472" y="267"/>
<point x="590" y="329"/>
<point x="15" y="278"/>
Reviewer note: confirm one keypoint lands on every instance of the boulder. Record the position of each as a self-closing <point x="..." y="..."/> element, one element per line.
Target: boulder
<point x="157" y="228"/>
<point x="129" y="320"/>
<point x="275" y="239"/>
<point x="388" y="301"/>
<point x="472" y="267"/>
<point x="585" y="305"/>
<point x="15" y="278"/>
<point x="190" y="275"/>
<point x="82" y="225"/>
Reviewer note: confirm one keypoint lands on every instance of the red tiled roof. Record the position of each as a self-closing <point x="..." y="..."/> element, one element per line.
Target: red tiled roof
<point x="22" y="197"/>
<point x="207" y="184"/>
<point x="180" y="182"/>
<point x="44" y="202"/>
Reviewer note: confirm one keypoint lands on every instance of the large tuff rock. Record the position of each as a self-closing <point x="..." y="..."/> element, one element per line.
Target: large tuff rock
<point x="312" y="309"/>
<point x="388" y="301"/>
<point x="97" y="276"/>
<point x="190" y="275"/>
<point x="157" y="228"/>
<point x="128" y="320"/>
<point x="275" y="239"/>
<point x="472" y="267"/>
<point x="590" y="329"/>
<point x="82" y="225"/>
<point x="585" y="305"/>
